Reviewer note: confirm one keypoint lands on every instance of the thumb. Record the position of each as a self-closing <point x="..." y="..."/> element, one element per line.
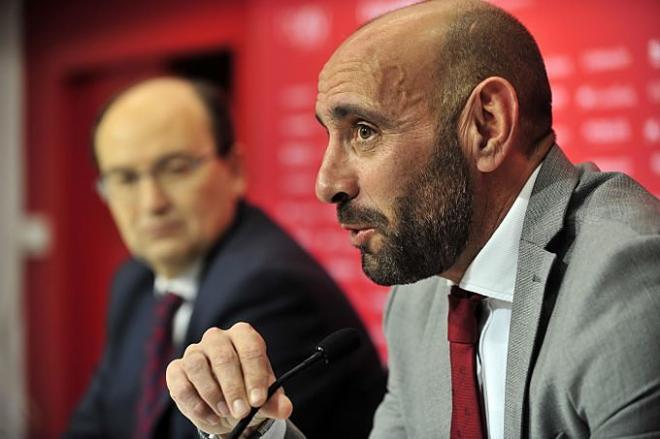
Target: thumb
<point x="279" y="406"/>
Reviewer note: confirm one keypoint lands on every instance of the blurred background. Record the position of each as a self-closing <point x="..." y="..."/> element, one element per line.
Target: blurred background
<point x="60" y="60"/>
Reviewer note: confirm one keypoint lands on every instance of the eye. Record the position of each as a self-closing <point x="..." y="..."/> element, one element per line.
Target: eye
<point x="365" y="132"/>
<point x="122" y="178"/>
<point x="177" y="165"/>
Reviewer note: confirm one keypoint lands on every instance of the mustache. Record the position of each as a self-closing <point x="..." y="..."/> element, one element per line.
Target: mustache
<point x="349" y="213"/>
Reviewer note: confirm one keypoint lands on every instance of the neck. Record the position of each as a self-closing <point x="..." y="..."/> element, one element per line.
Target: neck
<point x="168" y="272"/>
<point x="494" y="194"/>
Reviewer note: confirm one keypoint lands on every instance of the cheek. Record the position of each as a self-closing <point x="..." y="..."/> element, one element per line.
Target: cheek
<point x="127" y="226"/>
<point x="408" y="158"/>
<point x="210" y="211"/>
<point x="382" y="184"/>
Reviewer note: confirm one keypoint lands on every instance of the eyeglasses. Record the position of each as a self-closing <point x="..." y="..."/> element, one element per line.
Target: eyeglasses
<point x="169" y="172"/>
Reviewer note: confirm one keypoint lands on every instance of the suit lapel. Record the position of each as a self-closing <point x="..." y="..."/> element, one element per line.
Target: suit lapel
<point x="435" y="379"/>
<point x="215" y="279"/>
<point x="543" y="220"/>
<point x="525" y="318"/>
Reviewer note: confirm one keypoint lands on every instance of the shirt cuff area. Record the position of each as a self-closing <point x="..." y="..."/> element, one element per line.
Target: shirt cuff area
<point x="276" y="431"/>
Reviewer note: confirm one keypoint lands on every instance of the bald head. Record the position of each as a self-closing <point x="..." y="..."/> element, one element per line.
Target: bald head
<point x="150" y="108"/>
<point x="448" y="48"/>
<point x="166" y="98"/>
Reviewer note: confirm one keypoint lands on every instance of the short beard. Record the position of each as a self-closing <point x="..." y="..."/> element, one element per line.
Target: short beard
<point x="431" y="220"/>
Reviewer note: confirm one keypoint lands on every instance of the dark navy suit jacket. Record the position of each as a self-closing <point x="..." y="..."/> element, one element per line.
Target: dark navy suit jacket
<point x="258" y="274"/>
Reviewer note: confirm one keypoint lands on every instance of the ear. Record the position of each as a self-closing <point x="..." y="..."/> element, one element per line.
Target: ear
<point x="489" y="123"/>
<point x="236" y="167"/>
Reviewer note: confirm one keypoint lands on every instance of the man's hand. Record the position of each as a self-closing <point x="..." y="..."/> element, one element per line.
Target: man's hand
<point x="218" y="379"/>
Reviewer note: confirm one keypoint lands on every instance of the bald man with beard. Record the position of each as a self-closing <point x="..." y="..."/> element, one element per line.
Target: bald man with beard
<point x="203" y="258"/>
<point x="526" y="289"/>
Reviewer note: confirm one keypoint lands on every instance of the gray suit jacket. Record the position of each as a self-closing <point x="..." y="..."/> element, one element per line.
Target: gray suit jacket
<point x="584" y="356"/>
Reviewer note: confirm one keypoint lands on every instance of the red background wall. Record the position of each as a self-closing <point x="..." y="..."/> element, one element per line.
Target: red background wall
<point x="603" y="59"/>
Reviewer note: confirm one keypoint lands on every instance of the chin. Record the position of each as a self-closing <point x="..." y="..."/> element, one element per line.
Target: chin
<point x="372" y="248"/>
<point x="389" y="269"/>
<point x="373" y="269"/>
<point x="170" y="255"/>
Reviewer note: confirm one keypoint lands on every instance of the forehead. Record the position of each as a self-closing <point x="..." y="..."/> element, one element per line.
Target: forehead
<point x="146" y="124"/>
<point x="382" y="70"/>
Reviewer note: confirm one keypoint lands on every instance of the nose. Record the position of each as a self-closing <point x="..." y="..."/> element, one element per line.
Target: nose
<point x="152" y="197"/>
<point x="336" y="180"/>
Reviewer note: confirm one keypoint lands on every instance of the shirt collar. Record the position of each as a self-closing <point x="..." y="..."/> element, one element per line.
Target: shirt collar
<point x="185" y="285"/>
<point x="492" y="273"/>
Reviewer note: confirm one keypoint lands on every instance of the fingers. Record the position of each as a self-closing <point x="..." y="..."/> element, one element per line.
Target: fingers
<point x="218" y="379"/>
<point x="199" y="373"/>
<point x="279" y="406"/>
<point x="225" y="362"/>
<point x="257" y="373"/>
<point x="187" y="398"/>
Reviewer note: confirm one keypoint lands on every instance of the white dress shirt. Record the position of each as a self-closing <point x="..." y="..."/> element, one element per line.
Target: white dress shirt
<point x="184" y="286"/>
<point x="492" y="274"/>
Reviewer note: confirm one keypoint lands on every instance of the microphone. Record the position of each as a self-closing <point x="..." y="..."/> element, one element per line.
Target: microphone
<point x="335" y="346"/>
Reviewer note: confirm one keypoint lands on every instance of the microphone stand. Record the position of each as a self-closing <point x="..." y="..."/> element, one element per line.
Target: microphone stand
<point x="314" y="358"/>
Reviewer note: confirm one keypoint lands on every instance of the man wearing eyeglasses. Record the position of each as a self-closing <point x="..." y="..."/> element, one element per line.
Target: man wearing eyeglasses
<point x="202" y="258"/>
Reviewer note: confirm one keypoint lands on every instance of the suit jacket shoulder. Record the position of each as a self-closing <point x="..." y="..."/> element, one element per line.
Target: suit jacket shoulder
<point x="583" y="319"/>
<point x="581" y="358"/>
<point x="133" y="280"/>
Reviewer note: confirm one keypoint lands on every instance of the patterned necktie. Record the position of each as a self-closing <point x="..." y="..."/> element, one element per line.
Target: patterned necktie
<point x="159" y="352"/>
<point x="467" y="421"/>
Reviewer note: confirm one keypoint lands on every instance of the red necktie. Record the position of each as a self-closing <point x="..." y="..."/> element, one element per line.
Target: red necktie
<point x="159" y="352"/>
<point x="467" y="421"/>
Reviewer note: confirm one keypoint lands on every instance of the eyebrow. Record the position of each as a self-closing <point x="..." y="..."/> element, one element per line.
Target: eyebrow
<point x="344" y="111"/>
<point x="126" y="168"/>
